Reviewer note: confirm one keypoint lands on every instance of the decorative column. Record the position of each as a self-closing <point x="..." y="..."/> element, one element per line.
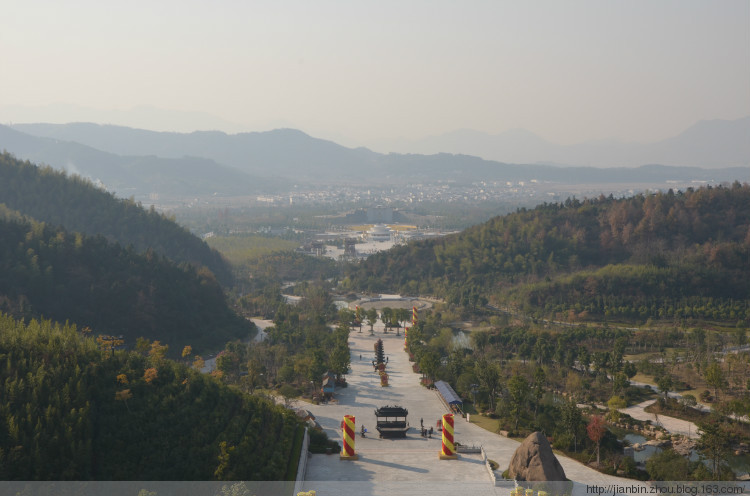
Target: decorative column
<point x="448" y="451"/>
<point x="347" y="452"/>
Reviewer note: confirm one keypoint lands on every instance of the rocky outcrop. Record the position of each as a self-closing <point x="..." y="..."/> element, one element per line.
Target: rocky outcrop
<point x="535" y="461"/>
<point x="683" y="445"/>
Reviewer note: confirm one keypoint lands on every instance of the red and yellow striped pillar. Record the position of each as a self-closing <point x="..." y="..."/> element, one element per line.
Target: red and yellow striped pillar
<point x="347" y="452"/>
<point x="448" y="451"/>
<point x="414" y="316"/>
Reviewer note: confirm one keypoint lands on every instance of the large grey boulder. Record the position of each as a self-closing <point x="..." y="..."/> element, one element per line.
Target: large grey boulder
<point x="535" y="461"/>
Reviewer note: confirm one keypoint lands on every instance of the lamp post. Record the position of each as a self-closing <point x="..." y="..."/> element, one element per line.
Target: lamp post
<point x="474" y="395"/>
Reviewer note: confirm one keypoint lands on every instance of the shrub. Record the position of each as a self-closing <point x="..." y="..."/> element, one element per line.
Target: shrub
<point x="668" y="465"/>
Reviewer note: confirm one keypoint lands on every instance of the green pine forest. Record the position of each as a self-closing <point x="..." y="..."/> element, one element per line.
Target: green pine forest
<point x="53" y="197"/>
<point x="48" y="272"/>
<point x="71" y="411"/>
<point x="104" y="308"/>
<point x="672" y="256"/>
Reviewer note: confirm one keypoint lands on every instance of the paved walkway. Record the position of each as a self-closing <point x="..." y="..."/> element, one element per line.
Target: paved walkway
<point x="671" y="424"/>
<point x="409" y="466"/>
<point x="210" y="363"/>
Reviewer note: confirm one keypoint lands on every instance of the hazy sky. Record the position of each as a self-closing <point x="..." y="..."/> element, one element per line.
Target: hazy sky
<point x="370" y="72"/>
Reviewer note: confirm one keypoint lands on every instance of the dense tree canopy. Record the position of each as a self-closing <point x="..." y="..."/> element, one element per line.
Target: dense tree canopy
<point x="662" y="255"/>
<point x="46" y="271"/>
<point x="71" y="411"/>
<point x="77" y="205"/>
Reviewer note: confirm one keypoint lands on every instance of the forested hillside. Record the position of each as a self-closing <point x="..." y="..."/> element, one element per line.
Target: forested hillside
<point x="662" y="255"/>
<point x="47" y="271"/>
<point x="77" y="205"/>
<point x="71" y="411"/>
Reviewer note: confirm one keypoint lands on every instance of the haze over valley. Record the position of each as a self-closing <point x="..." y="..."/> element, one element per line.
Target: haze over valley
<point x="168" y="169"/>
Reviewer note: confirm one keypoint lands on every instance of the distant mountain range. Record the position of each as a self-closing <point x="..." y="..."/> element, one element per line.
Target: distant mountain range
<point x="708" y="144"/>
<point x="281" y="153"/>
<point x="136" y="162"/>
<point x="133" y="174"/>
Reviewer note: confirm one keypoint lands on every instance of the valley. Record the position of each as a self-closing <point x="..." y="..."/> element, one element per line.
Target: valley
<point x="595" y="294"/>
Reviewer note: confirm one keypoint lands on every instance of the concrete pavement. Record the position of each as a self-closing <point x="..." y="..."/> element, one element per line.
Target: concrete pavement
<point x="411" y="465"/>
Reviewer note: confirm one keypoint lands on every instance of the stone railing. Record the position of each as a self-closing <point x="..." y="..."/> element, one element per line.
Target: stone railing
<point x="462" y="448"/>
<point x="496" y="481"/>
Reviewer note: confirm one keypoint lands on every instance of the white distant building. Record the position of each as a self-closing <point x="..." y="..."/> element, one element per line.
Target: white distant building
<point x="390" y="297"/>
<point x="379" y="233"/>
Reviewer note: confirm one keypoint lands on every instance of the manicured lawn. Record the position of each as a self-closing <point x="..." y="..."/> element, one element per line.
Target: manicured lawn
<point x="646" y="379"/>
<point x="485" y="423"/>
